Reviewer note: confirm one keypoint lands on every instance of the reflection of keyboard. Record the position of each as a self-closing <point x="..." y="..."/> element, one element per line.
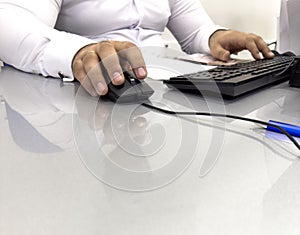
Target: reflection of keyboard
<point x="234" y="80"/>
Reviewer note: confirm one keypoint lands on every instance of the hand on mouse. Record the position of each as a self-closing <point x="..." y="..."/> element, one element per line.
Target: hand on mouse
<point x="114" y="55"/>
<point x="222" y="43"/>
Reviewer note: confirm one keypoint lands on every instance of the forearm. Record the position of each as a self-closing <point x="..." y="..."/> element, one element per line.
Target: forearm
<point x="191" y="25"/>
<point x="30" y="43"/>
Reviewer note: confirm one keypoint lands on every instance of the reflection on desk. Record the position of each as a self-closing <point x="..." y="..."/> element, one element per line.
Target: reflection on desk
<point x="55" y="180"/>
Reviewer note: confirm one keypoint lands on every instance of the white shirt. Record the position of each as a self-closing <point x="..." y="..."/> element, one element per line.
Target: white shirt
<point x="42" y="36"/>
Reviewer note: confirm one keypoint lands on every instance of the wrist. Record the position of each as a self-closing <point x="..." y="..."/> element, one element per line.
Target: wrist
<point x="215" y="35"/>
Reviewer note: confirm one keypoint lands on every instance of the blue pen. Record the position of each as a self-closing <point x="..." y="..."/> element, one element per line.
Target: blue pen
<point x="291" y="129"/>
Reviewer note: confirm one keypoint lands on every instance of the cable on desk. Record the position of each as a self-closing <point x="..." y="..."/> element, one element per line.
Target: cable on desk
<point x="283" y="131"/>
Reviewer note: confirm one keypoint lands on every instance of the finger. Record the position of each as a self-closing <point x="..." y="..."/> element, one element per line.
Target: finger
<point x="110" y="61"/>
<point x="252" y="48"/>
<point x="133" y="55"/>
<point x="125" y="65"/>
<point x="81" y="76"/>
<point x="220" y="53"/>
<point x="92" y="68"/>
<point x="263" y="47"/>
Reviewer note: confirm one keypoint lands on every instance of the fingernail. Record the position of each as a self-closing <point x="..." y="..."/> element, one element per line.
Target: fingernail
<point x="117" y="77"/>
<point x="100" y="87"/>
<point x="141" y="72"/>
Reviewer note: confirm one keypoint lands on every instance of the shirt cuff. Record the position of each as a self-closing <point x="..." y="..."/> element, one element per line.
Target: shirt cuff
<point x="59" y="53"/>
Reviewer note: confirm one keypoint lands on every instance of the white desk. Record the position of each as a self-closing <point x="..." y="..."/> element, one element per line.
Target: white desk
<point x="62" y="166"/>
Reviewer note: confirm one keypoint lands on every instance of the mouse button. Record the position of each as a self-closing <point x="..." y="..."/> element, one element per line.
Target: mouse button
<point x="116" y="89"/>
<point x="128" y="90"/>
<point x="130" y="78"/>
<point x="136" y="93"/>
<point x="144" y="89"/>
<point x="130" y="95"/>
<point x="117" y="86"/>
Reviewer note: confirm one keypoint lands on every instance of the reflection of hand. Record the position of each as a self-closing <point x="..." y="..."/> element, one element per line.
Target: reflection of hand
<point x="113" y="55"/>
<point x="118" y="124"/>
<point x="222" y="43"/>
<point x="132" y="127"/>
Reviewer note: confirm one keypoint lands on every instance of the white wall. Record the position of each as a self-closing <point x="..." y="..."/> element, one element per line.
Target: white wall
<point x="253" y="16"/>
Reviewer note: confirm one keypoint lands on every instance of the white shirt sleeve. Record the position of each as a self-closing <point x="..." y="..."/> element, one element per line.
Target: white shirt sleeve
<point x="31" y="43"/>
<point x="191" y="25"/>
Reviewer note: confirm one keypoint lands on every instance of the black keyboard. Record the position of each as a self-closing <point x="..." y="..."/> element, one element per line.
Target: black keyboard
<point x="235" y="80"/>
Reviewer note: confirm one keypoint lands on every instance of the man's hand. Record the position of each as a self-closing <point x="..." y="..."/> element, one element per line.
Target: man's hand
<point x="222" y="43"/>
<point x="114" y="56"/>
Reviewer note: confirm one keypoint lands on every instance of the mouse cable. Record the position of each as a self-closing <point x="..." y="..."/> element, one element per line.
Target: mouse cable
<point x="289" y="65"/>
<point x="273" y="43"/>
<point x="170" y="112"/>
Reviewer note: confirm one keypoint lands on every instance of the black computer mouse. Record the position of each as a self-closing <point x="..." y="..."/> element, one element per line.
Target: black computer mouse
<point x="133" y="90"/>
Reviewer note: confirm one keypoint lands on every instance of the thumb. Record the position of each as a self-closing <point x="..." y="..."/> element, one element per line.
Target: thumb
<point x="220" y="53"/>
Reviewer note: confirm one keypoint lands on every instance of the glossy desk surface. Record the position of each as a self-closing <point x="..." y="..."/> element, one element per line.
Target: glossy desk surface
<point x="70" y="164"/>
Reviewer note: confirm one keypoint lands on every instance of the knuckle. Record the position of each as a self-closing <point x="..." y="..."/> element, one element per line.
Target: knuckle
<point x="128" y="44"/>
<point x="105" y="46"/>
<point x="106" y="43"/>
<point x="260" y="38"/>
<point x="249" y="39"/>
<point x="255" y="36"/>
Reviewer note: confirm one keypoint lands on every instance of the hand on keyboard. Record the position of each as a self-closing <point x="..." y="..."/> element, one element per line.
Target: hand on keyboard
<point x="222" y="43"/>
<point x="235" y="80"/>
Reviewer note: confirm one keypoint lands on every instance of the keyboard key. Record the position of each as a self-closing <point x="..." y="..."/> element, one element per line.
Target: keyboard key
<point x="237" y="79"/>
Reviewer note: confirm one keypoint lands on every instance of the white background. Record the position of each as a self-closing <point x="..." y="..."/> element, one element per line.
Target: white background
<point x="255" y="16"/>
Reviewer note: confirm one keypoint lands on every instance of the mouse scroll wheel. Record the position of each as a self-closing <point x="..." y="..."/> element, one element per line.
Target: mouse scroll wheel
<point x="132" y="80"/>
